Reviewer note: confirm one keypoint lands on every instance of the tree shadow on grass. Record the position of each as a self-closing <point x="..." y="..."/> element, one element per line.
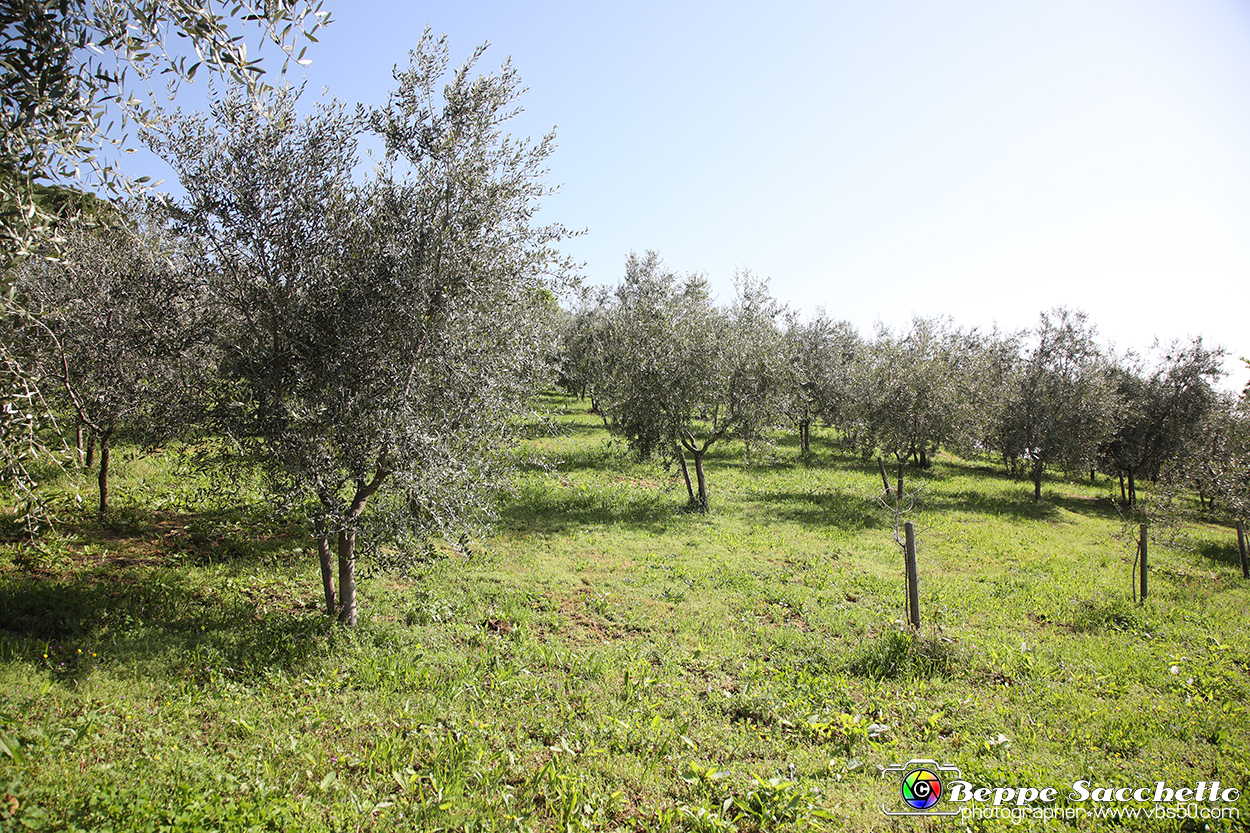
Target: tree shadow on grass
<point x="215" y="536"/>
<point x="118" y="587"/>
<point x="72" y="624"/>
<point x="976" y="501"/>
<point x="1020" y="505"/>
<point x="1096" y="507"/>
<point x="562" y="424"/>
<point x="583" y="427"/>
<point x="851" y="511"/>
<point x="824" y="509"/>
<point x="1222" y="552"/>
<point x="607" y="457"/>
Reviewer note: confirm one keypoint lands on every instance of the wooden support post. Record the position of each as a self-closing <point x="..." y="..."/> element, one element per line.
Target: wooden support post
<point x="913" y="579"/>
<point x="1241" y="547"/>
<point x="900" y="481"/>
<point x="1144" y="560"/>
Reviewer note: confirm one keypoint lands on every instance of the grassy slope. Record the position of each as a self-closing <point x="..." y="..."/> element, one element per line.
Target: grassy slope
<point x="607" y="661"/>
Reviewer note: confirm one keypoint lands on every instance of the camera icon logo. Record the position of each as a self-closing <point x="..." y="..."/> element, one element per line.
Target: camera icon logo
<point x="920" y="787"/>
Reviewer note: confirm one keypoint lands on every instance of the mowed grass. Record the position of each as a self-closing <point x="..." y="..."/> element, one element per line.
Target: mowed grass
<point x="608" y="661"/>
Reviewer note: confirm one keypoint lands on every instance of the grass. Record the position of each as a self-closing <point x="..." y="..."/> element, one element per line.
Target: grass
<point x="607" y="661"/>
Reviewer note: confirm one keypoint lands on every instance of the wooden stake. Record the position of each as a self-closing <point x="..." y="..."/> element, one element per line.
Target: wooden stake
<point x="913" y="579"/>
<point x="1144" y="561"/>
<point x="1241" y="547"/>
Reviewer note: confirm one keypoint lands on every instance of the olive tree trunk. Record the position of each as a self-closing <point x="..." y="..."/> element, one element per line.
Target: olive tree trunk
<point x="327" y="565"/>
<point x="685" y="473"/>
<point x="701" y="500"/>
<point x="346" y="606"/>
<point x="347" y="577"/>
<point x="103" y="477"/>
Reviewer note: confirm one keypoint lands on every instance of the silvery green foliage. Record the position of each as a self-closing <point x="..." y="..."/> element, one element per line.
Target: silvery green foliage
<point x="1064" y="406"/>
<point x="1217" y="460"/>
<point x="993" y="361"/>
<point x="662" y="362"/>
<point x="762" y="373"/>
<point x="932" y="385"/>
<point x="1163" y="405"/>
<point x="682" y="374"/>
<point x="1214" y="461"/>
<point x="584" y="333"/>
<point x="822" y="352"/>
<point x="385" y="335"/>
<point x="910" y="395"/>
<point x="118" y="331"/>
<point x="62" y="63"/>
<point x="25" y="417"/>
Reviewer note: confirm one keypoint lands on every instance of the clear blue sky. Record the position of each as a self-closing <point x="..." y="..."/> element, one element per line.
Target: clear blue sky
<point x="984" y="160"/>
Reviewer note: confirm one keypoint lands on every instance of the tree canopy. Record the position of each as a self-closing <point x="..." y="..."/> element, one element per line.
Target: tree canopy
<point x="381" y="334"/>
<point x="64" y="64"/>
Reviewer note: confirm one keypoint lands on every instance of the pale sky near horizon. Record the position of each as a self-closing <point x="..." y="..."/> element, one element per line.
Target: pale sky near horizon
<point x="983" y="160"/>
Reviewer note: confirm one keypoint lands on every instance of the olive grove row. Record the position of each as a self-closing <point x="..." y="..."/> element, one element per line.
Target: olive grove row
<point x="674" y="373"/>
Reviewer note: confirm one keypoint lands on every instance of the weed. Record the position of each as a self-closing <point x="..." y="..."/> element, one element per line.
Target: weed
<point x="1094" y="616"/>
<point x="774" y="802"/>
<point x="897" y="653"/>
<point x="599" y="603"/>
<point x="844" y="731"/>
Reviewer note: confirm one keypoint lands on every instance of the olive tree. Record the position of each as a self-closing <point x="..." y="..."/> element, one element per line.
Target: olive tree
<point x="1217" y="462"/>
<point x="72" y="76"/>
<point x="25" y="419"/>
<point x="659" y="354"/>
<point x="822" y="351"/>
<point x="761" y="369"/>
<point x="919" y="389"/>
<point x="993" y="360"/>
<point x="384" y="334"/>
<point x="1064" y="403"/>
<point x="119" y="327"/>
<point x="1162" y="409"/>
<point x="583" y="336"/>
<point x="683" y="374"/>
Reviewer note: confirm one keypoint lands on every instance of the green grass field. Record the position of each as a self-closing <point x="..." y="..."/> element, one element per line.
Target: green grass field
<point x="607" y="661"/>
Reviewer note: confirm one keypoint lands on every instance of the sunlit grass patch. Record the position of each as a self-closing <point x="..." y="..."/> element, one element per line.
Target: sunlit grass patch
<point x="606" y="661"/>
